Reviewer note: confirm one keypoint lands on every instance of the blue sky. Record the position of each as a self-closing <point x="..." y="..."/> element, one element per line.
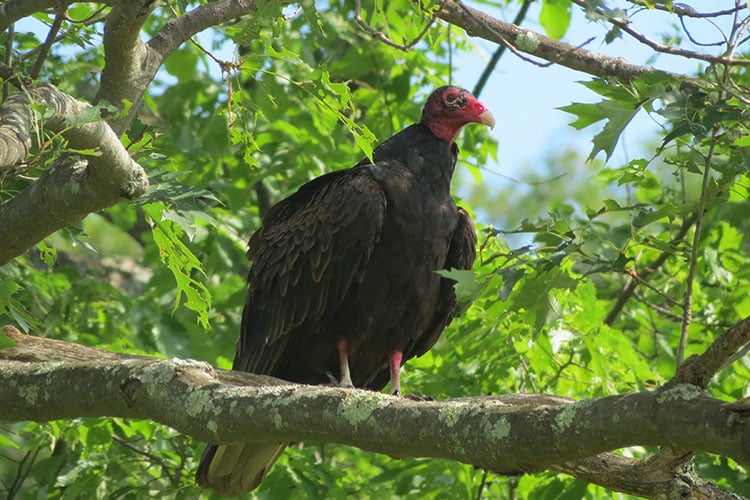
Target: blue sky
<point x="524" y="97"/>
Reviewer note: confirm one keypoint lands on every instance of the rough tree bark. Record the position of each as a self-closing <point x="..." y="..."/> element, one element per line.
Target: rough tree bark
<point x="72" y="189"/>
<point x="43" y="379"/>
<point x="75" y="185"/>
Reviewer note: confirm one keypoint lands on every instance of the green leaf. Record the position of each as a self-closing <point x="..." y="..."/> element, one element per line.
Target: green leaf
<point x="468" y="287"/>
<point x="11" y="306"/>
<point x="611" y="204"/>
<point x="510" y="276"/>
<point x="312" y="16"/>
<point x="7" y="289"/>
<point x="5" y="441"/>
<point x="718" y="272"/>
<point x="587" y="114"/>
<point x="183" y="264"/>
<point x="534" y="294"/>
<point x="618" y="109"/>
<point x="622" y="102"/>
<point x="186" y="219"/>
<point x="618" y="116"/>
<point x="645" y="217"/>
<point x="6" y="341"/>
<point x="47" y="254"/>
<point x="555" y="17"/>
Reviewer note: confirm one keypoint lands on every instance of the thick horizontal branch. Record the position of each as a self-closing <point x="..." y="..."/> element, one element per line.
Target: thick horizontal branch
<point x="43" y="379"/>
<point x="73" y="187"/>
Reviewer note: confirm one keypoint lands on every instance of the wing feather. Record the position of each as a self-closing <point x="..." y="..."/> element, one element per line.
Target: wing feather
<point x="312" y="248"/>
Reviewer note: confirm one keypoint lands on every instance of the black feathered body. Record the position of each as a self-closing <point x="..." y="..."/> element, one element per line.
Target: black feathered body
<point x="353" y="254"/>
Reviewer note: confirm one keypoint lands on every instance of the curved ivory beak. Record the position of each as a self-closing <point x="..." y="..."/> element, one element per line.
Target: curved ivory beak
<point x="487" y="119"/>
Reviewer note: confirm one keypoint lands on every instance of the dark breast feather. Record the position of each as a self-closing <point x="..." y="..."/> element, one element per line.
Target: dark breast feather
<point x="461" y="255"/>
<point x="310" y="250"/>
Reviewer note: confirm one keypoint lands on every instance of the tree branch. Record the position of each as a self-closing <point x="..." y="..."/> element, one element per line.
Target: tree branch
<point x="132" y="64"/>
<point x="125" y="77"/>
<point x="687" y="11"/>
<point x="16" y="126"/>
<point x="664" y="475"/>
<point x="179" y="30"/>
<point x="699" y="369"/>
<point x="477" y="23"/>
<point x="520" y="16"/>
<point x="624" y="25"/>
<point x="645" y="271"/>
<point x="13" y="10"/>
<point x="44" y="379"/>
<point x="72" y="188"/>
<point x="68" y="193"/>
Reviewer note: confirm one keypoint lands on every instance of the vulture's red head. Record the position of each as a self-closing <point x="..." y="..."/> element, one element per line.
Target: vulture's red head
<point x="449" y="108"/>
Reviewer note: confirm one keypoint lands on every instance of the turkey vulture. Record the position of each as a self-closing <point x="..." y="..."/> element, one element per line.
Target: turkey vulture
<point x="342" y="285"/>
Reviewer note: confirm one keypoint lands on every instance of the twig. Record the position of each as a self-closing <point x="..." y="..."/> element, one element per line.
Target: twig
<point x="703" y="44"/>
<point x="624" y="25"/>
<point x="687" y="313"/>
<point x="482" y="484"/>
<point x="527" y="374"/>
<point x="648" y="271"/>
<point x="47" y="45"/>
<point x="659" y="309"/>
<point x="561" y="368"/>
<point x="499" y="52"/>
<point x="150" y="456"/>
<point x="686" y="10"/>
<point x="383" y="37"/>
<point x="522" y="181"/>
<point x="22" y="474"/>
<point x="95" y="17"/>
<point x="661" y="294"/>
<point x="739" y="28"/>
<point x="734" y="357"/>
<point x="8" y="58"/>
<point x="226" y="66"/>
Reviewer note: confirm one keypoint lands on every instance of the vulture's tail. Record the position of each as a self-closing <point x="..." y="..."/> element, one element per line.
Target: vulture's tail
<point x="234" y="469"/>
